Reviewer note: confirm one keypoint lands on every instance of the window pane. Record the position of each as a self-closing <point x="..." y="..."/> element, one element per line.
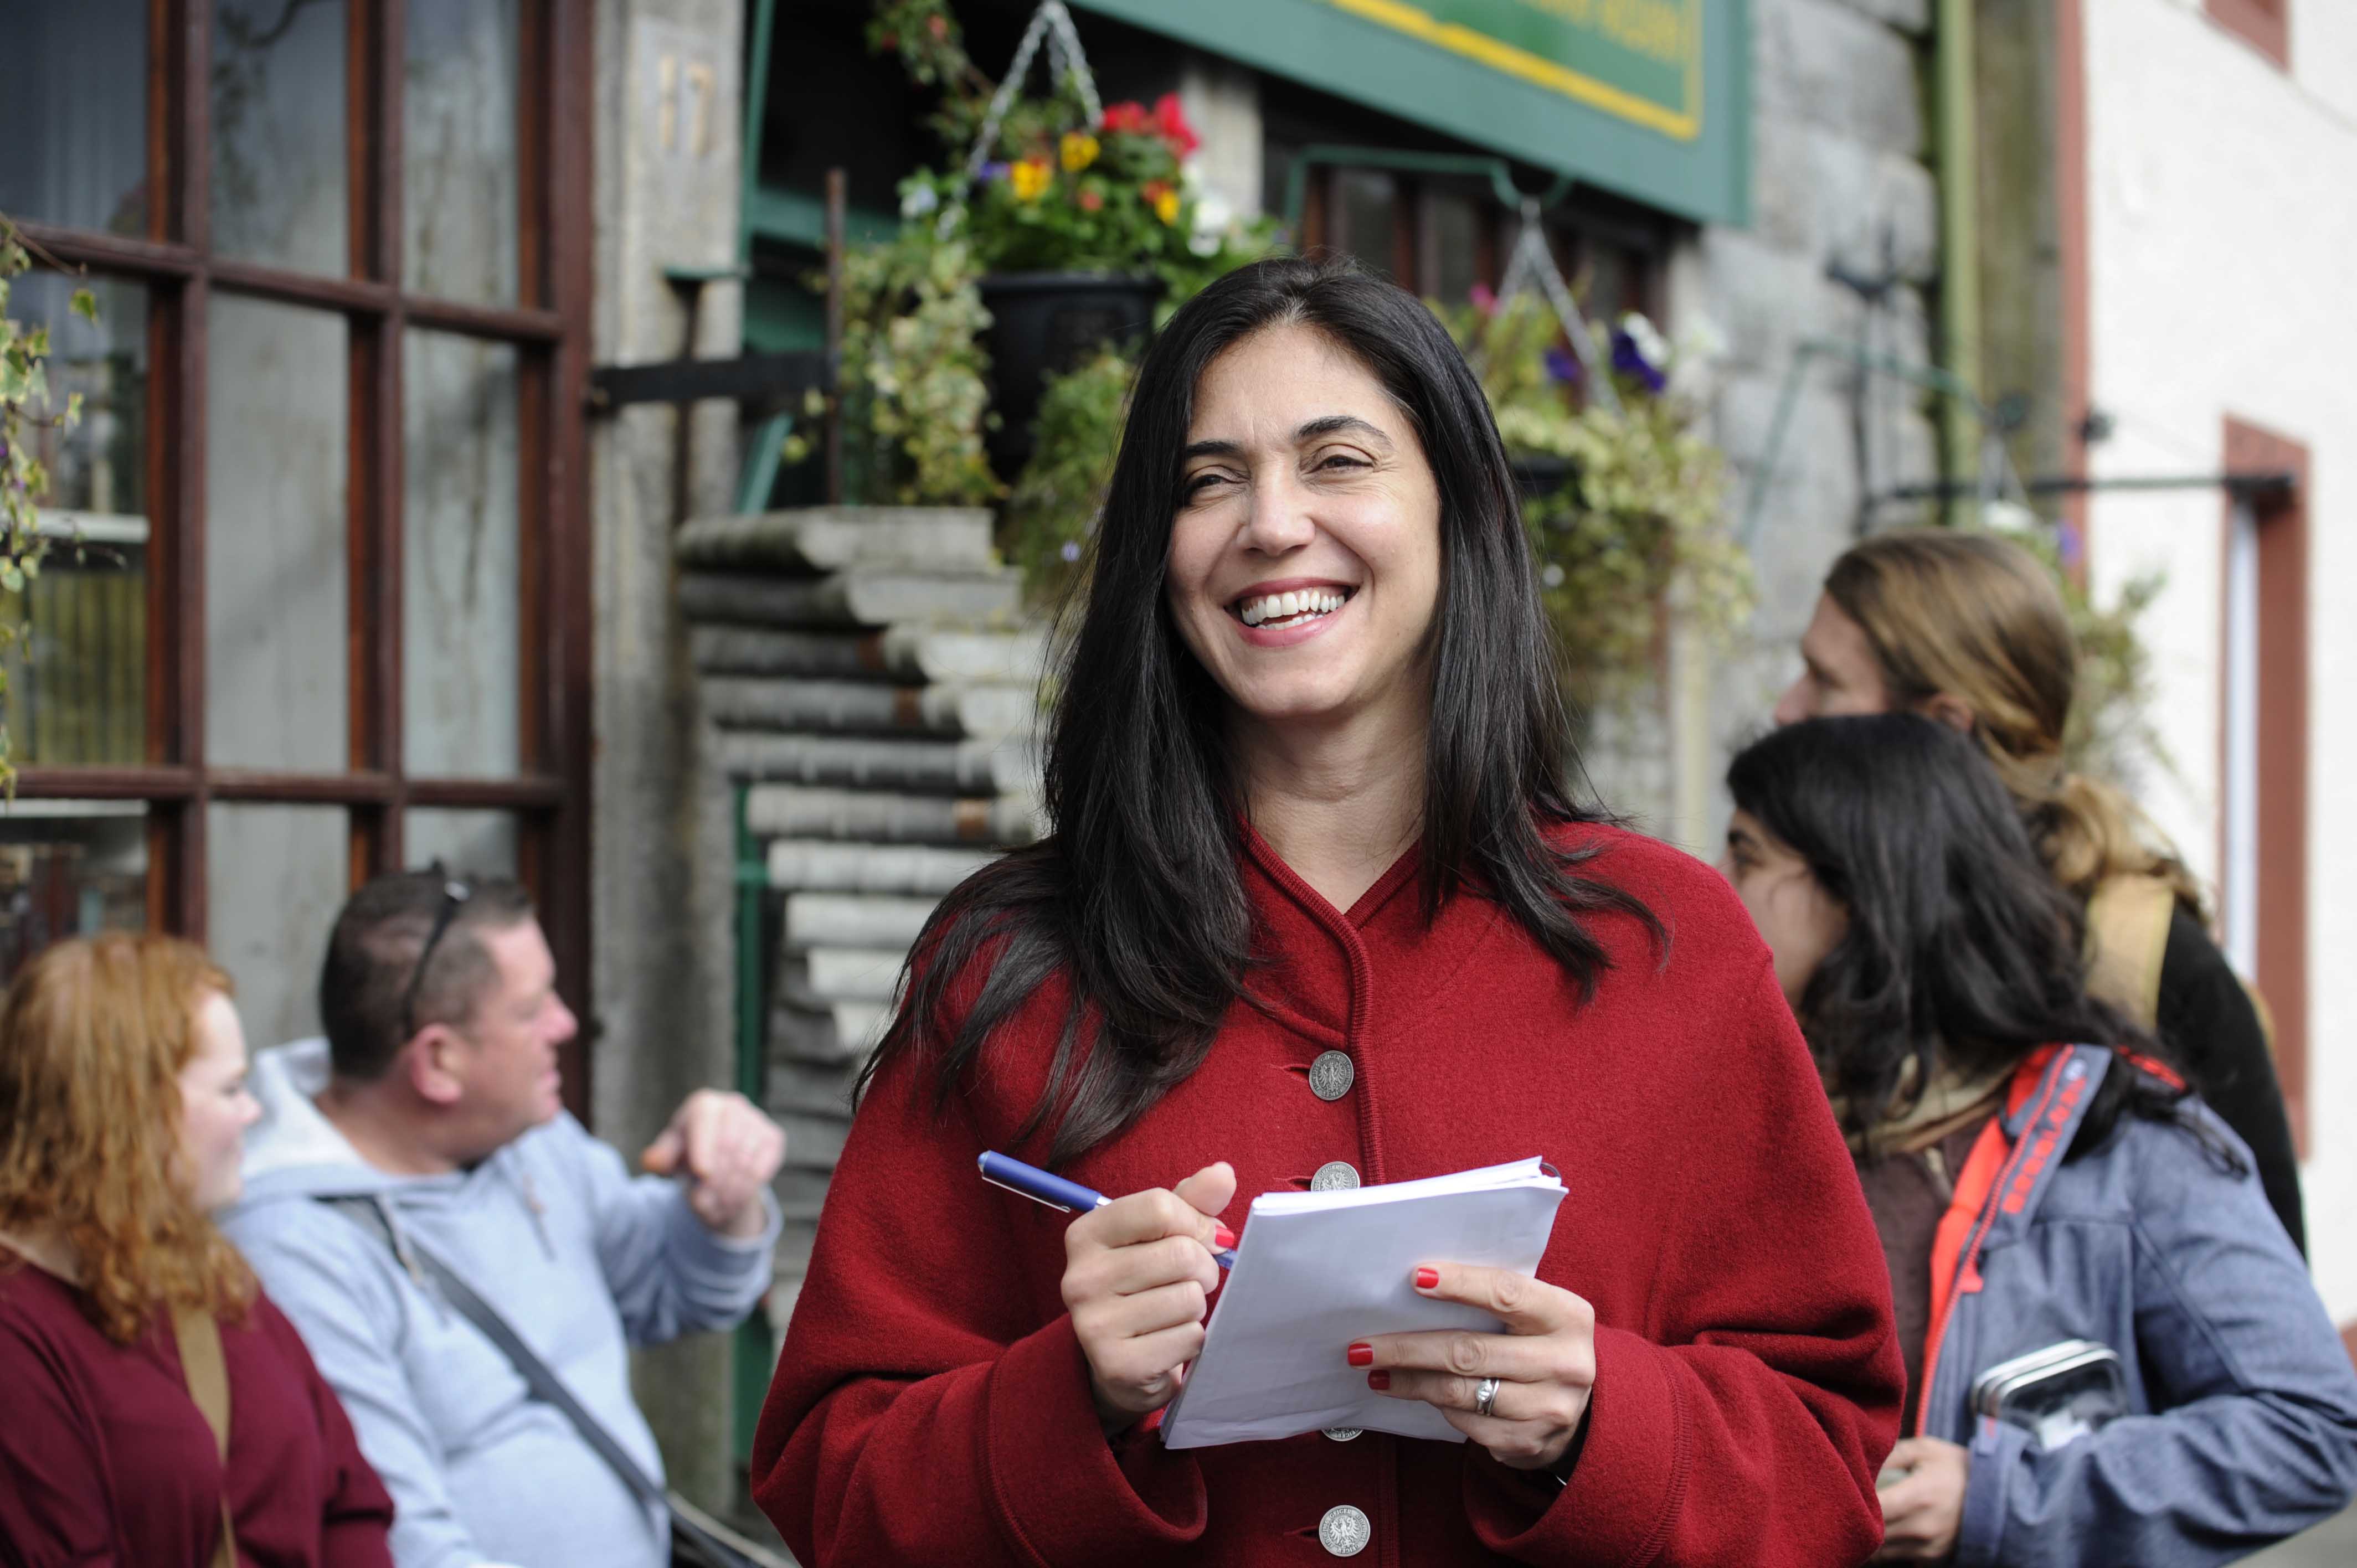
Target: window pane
<point x="274" y="560"/>
<point x="68" y="868"/>
<point x="275" y="877"/>
<point x="82" y="698"/>
<point x="1452" y="265"/>
<point x="1368" y="206"/>
<point x="458" y="150"/>
<point x="476" y="843"/>
<point x="279" y="178"/>
<point x="73" y="118"/>
<point x="101" y="465"/>
<point x="461" y="600"/>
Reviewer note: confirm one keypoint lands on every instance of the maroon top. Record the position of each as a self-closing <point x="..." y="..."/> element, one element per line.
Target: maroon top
<point x="105" y="1461"/>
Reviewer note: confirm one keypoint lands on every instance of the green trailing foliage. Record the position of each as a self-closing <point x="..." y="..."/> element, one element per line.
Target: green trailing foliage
<point x="1636" y="531"/>
<point x="26" y="407"/>
<point x="1052" y="513"/>
<point x="915" y="398"/>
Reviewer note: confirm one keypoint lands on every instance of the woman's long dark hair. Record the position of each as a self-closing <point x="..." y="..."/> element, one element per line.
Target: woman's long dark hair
<point x="1135" y="895"/>
<point x="1961" y="951"/>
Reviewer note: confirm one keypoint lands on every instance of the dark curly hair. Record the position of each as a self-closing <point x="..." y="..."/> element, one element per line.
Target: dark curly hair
<point x="1961" y="950"/>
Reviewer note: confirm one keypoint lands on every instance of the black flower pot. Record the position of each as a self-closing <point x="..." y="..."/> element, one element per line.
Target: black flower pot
<point x="1041" y="322"/>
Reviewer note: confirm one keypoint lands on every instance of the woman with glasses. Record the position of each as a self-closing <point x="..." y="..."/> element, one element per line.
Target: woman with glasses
<point x="1969" y="629"/>
<point x="2115" y="1356"/>
<point x="158" y="1409"/>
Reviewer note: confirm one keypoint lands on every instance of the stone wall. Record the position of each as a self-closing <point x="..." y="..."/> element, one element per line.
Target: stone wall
<point x="1840" y="180"/>
<point x="667" y="139"/>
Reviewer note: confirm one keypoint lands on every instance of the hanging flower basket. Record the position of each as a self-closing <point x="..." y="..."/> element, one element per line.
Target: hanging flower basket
<point x="1045" y="323"/>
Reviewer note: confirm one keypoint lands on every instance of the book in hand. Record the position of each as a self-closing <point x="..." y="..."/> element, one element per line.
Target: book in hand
<point x="1317" y="1270"/>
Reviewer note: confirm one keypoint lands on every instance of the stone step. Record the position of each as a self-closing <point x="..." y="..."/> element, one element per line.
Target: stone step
<point x="915" y="767"/>
<point x="829" y="539"/>
<point x="791" y="811"/>
<point x="811" y="1089"/>
<point x="841" y="974"/>
<point x="866" y="707"/>
<point x="800" y="1194"/>
<point x="826" y="865"/>
<point x="838" y="1035"/>
<point x="917" y="653"/>
<point x="812" y="1143"/>
<point x="854" y="920"/>
<point x="853" y="598"/>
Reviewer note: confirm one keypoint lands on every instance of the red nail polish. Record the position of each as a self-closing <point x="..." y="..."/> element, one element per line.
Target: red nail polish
<point x="1427" y="1278"/>
<point x="1379" y="1380"/>
<point x="1222" y="1238"/>
<point x="1362" y="1354"/>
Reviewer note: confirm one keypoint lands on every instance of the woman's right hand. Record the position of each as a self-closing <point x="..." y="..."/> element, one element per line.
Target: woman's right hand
<point x="1137" y="1276"/>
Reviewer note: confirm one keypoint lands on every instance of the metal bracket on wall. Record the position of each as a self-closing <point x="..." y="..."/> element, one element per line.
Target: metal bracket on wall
<point x="1931" y="378"/>
<point x="1996" y="477"/>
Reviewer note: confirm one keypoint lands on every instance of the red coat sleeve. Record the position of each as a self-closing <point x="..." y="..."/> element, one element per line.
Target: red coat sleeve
<point x="1745" y="1421"/>
<point x="920" y="1413"/>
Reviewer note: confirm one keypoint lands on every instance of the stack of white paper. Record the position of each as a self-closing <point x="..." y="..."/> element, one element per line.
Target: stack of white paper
<point x="1317" y="1270"/>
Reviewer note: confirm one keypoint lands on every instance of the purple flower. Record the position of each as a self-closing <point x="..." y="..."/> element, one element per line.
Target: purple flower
<point x="996" y="169"/>
<point x="1563" y="365"/>
<point x="1630" y="361"/>
<point x="1070" y="551"/>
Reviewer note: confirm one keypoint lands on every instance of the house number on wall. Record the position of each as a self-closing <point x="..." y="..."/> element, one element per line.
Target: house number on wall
<point x="698" y="84"/>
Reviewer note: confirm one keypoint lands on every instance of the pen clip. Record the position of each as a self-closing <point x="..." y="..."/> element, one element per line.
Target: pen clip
<point x="1005" y="1187"/>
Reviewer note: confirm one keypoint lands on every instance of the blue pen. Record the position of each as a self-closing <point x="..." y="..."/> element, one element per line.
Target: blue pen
<point x="1044" y="1187"/>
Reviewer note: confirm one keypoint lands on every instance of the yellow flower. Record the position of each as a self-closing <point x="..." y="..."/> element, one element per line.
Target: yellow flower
<point x="1080" y="150"/>
<point x="1031" y="178"/>
<point x="1165" y="206"/>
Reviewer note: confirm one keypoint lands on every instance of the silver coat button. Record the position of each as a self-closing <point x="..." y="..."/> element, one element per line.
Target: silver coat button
<point x="1331" y="1075"/>
<point x="1342" y="1433"/>
<point x="1334" y="1175"/>
<point x="1344" y="1532"/>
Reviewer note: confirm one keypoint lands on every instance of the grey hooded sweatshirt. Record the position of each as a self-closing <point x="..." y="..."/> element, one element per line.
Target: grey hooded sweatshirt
<point x="583" y="1260"/>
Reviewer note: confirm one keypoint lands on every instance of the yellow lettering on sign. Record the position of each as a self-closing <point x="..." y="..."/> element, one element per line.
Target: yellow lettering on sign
<point x="1646" y="27"/>
<point x="1668" y="29"/>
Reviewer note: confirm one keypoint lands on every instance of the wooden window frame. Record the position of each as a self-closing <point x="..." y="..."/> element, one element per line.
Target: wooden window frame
<point x="2265" y="24"/>
<point x="549" y="328"/>
<point x="2281" y="795"/>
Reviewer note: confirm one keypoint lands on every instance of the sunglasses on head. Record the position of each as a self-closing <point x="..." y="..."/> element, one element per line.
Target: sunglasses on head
<point x="455" y="894"/>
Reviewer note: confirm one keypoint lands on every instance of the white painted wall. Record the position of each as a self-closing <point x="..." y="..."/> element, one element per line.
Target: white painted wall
<point x="2222" y="243"/>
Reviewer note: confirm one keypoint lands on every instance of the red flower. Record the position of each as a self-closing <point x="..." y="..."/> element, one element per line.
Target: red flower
<point x="1090" y="198"/>
<point x="1127" y="117"/>
<point x="1170" y="123"/>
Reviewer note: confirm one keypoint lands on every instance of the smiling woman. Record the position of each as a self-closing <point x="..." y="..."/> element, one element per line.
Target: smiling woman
<point x="1319" y="907"/>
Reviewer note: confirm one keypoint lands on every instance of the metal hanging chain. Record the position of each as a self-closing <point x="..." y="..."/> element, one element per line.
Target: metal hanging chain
<point x="1532" y="263"/>
<point x="1053" y="24"/>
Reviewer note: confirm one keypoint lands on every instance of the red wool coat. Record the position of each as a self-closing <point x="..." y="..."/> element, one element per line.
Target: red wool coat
<point x="932" y="1405"/>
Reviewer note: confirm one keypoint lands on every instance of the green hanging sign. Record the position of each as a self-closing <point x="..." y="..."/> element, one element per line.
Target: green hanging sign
<point x="1649" y="99"/>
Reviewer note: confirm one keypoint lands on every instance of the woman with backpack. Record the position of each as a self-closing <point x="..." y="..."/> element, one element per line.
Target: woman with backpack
<point x="1969" y="629"/>
<point x="2113" y="1358"/>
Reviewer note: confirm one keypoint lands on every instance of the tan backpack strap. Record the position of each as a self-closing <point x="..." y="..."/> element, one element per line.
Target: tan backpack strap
<point x="207" y="1370"/>
<point x="2127" y="934"/>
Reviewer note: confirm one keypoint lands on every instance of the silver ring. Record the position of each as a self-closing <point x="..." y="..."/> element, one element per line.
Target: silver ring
<point x="1485" y="1396"/>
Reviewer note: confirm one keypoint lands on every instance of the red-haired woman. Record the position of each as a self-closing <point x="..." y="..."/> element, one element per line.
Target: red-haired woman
<point x="123" y="1114"/>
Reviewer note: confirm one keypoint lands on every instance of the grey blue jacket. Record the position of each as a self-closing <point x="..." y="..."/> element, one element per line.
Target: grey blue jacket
<point x="582" y="1259"/>
<point x="2243" y="1405"/>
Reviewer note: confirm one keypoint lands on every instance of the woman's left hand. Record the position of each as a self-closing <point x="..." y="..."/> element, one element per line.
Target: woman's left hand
<point x="1544" y="1363"/>
<point x="1922" y="1512"/>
